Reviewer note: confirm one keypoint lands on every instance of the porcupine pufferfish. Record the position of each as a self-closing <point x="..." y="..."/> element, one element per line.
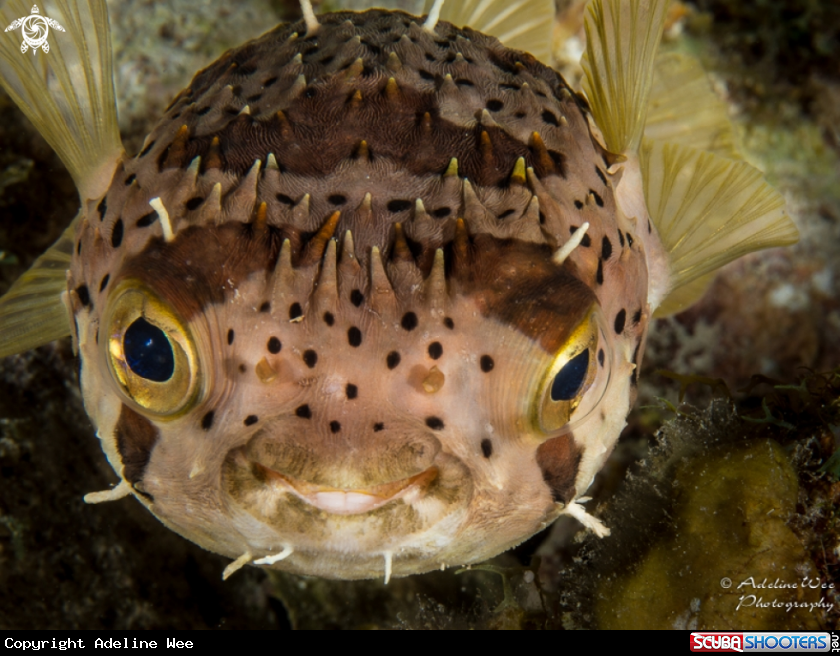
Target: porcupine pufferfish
<point x="373" y="296"/>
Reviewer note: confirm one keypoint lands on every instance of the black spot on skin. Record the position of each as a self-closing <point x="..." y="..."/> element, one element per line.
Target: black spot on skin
<point x="606" y="248"/>
<point x="136" y="438"/>
<point x="250" y="420"/>
<point x="441" y="212"/>
<point x="650" y="229"/>
<point x="274" y="345"/>
<point x="146" y="150"/>
<point x="505" y="214"/>
<point x="601" y="175"/>
<point x="354" y="336"/>
<point x="242" y="368"/>
<point x="303" y="412"/>
<point x="130" y="179"/>
<point x="550" y="118"/>
<point x="486" y="363"/>
<point x="337" y="199"/>
<point x="194" y="202"/>
<point x="335" y="426"/>
<point x="295" y="311"/>
<point x="542" y="217"/>
<point x="620" y="320"/>
<point x="578" y="205"/>
<point x="621" y="238"/>
<point x="393" y="360"/>
<point x="117" y="234"/>
<point x="204" y="110"/>
<point x="378" y="427"/>
<point x="447" y="321"/>
<point x="104" y="283"/>
<point x="356" y="297"/>
<point x="83" y="294"/>
<point x="79" y="248"/>
<point x="494" y="105"/>
<point x="409" y="321"/>
<point x="310" y="357"/>
<point x="265" y="307"/>
<point x="598" y="200"/>
<point x="286" y="200"/>
<point x="399" y="205"/>
<point x="351" y="390"/>
<point x="629" y="240"/>
<point x="586" y="242"/>
<point x="146" y="220"/>
<point x="599" y="275"/>
<point x="601" y="357"/>
<point x="329" y="319"/>
<point x="102" y="208"/>
<point x="435" y="423"/>
<point x="486" y="448"/>
<point x="207" y="420"/>
<point x="435" y="350"/>
<point x="230" y="336"/>
<point x="637" y="316"/>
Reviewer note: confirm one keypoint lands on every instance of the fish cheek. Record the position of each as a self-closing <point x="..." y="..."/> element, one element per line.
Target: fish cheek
<point x="136" y="438"/>
<point x="559" y="461"/>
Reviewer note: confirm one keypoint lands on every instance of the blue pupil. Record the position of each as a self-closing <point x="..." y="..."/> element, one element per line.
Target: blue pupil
<point x="568" y="380"/>
<point x="148" y="351"/>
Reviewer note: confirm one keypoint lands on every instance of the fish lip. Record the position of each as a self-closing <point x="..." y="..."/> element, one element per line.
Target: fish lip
<point x="357" y="501"/>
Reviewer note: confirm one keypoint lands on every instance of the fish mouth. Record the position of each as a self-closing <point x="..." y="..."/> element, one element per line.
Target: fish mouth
<point x="337" y="501"/>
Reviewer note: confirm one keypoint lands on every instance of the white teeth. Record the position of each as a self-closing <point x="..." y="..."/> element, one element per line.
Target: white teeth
<point x="344" y="502"/>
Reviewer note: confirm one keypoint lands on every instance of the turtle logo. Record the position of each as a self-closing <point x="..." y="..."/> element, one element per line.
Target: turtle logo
<point x="35" y="29"/>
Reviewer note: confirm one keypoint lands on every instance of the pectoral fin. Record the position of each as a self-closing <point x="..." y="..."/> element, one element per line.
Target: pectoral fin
<point x="708" y="211"/>
<point x="621" y="42"/>
<point x="31" y="312"/>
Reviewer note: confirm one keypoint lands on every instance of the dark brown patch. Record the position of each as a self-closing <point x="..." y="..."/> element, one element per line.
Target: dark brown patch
<point x="193" y="270"/>
<point x="420" y="146"/>
<point x="517" y="283"/>
<point x="136" y="438"/>
<point x="559" y="460"/>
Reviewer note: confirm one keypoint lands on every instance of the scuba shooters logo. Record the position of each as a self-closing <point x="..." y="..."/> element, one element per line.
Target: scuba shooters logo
<point x="763" y="642"/>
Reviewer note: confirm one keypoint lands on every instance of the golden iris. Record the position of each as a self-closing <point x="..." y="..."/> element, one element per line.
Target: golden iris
<point x="567" y="379"/>
<point x="151" y="353"/>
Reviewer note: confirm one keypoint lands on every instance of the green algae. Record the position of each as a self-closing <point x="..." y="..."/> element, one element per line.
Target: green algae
<point x="730" y="535"/>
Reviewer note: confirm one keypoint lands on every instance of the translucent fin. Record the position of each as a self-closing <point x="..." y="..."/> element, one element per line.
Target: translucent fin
<point x="683" y="108"/>
<point x="685" y="296"/>
<point x="31" y="312"/>
<point x="520" y="24"/>
<point x="708" y="211"/>
<point x="67" y="92"/>
<point x="621" y="42"/>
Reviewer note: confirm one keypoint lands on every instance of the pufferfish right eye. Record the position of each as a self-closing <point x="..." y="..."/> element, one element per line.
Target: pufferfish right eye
<point x="574" y="382"/>
<point x="151" y="353"/>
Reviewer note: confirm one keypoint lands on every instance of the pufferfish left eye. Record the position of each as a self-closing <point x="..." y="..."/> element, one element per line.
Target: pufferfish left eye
<point x="570" y="379"/>
<point x="151" y="353"/>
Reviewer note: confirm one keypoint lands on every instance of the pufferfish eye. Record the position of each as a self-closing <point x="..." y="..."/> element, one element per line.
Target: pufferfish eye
<point x="571" y="379"/>
<point x="148" y="351"/>
<point x="151" y="354"/>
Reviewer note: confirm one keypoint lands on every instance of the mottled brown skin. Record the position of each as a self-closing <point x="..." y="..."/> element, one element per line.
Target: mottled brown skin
<point x="327" y="408"/>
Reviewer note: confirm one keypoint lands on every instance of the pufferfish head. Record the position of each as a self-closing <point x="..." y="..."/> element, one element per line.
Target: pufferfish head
<point x="326" y="318"/>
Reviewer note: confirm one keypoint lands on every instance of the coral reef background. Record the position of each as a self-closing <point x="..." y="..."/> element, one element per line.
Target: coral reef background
<point x="757" y="496"/>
